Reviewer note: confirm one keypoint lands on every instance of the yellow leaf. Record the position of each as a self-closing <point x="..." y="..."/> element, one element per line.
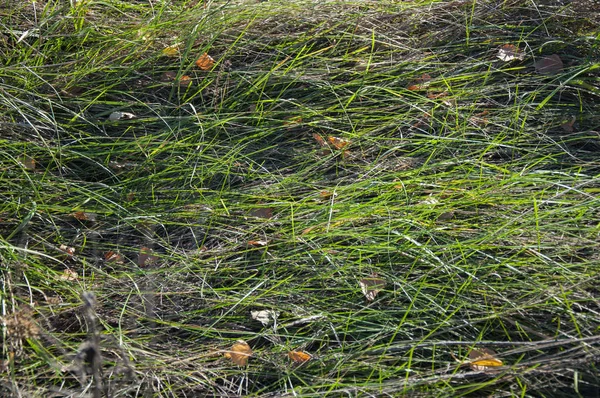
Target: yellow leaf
<point x="239" y="353"/>
<point x="482" y="359"/>
<point x="171" y="51"/>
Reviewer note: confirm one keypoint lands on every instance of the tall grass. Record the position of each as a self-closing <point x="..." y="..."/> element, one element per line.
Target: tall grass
<point x="134" y="250"/>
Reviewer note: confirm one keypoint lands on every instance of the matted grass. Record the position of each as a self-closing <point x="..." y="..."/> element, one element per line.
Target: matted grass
<point x="134" y="251"/>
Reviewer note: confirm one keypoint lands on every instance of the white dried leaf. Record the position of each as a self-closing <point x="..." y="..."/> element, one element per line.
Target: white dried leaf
<point x="266" y="317"/>
<point x="509" y="52"/>
<point x="120" y="115"/>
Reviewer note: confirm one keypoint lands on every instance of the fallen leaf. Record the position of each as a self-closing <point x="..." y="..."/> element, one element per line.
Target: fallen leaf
<point x="509" y="52"/>
<point x="263" y="212"/>
<point x="327" y="194"/>
<point x="120" y="115"/>
<point x="113" y="257"/>
<point x="266" y="317"/>
<point x="482" y="359"/>
<point x="337" y="143"/>
<point x="67" y="249"/>
<point x="146" y="257"/>
<point x="257" y="243"/>
<point x="319" y="139"/>
<point x="168" y="76"/>
<point x="549" y="65"/>
<point x="83" y="216"/>
<point x="420" y="82"/>
<point x="205" y="62"/>
<point x="292" y="121"/>
<point x="568" y="126"/>
<point x="307" y="230"/>
<point x="432" y="95"/>
<point x="69" y="275"/>
<point x="371" y="286"/>
<point x="27" y="162"/>
<point x="171" y="51"/>
<point x="185" y="81"/>
<point x="299" y="356"/>
<point x="239" y="353"/>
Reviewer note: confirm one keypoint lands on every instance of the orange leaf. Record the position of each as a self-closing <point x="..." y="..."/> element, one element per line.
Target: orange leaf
<point x="326" y="194"/>
<point x="319" y="139"/>
<point x="338" y="143"/>
<point x="205" y="62"/>
<point x="299" y="356"/>
<point x="257" y="243"/>
<point x="239" y="353"/>
<point x="185" y="81"/>
<point x="307" y="230"/>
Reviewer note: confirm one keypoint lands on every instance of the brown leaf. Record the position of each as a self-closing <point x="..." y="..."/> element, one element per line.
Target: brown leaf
<point x="262" y="212"/>
<point x="549" y="65"/>
<point x="420" y="82"/>
<point x="299" y="356"/>
<point x="113" y="257"/>
<point x="27" y="162"/>
<point x="83" y="216"/>
<point x="371" y="286"/>
<point x="146" y="257"/>
<point x="205" y="62"/>
<point x="568" y="126"/>
<point x="239" y="353"/>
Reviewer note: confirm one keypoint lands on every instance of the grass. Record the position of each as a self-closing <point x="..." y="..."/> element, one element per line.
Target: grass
<point x="134" y="251"/>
